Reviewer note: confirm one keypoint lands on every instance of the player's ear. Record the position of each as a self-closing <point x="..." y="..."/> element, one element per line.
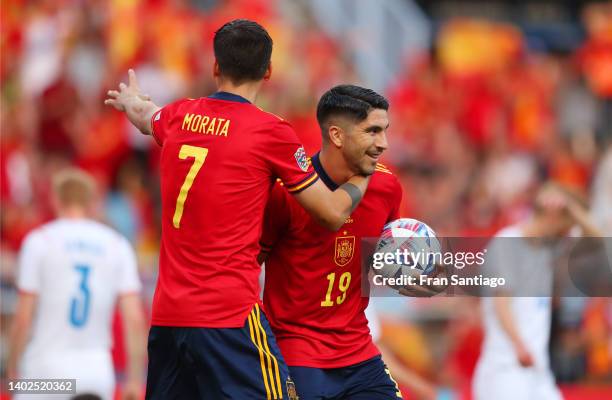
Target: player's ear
<point x="268" y="73"/>
<point x="336" y="135"/>
<point x="216" y="70"/>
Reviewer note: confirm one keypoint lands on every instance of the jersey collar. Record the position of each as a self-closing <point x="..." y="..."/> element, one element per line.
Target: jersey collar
<point x="316" y="164"/>
<point x="228" y="97"/>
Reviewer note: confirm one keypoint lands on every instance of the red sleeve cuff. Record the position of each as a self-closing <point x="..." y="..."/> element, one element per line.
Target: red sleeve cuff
<point x="155" y="114"/>
<point x="303" y="184"/>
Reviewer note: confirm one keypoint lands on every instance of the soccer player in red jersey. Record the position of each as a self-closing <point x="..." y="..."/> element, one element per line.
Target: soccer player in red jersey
<point x="220" y="158"/>
<point x="312" y="293"/>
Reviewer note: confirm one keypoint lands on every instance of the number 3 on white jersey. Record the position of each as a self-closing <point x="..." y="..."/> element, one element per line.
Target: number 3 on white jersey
<point x="79" y="306"/>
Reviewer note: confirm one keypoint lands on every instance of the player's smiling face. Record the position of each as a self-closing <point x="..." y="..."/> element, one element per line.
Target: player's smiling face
<point x="366" y="141"/>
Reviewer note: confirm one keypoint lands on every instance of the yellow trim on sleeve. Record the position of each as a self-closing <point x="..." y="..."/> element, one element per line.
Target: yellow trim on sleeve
<point x="307" y="182"/>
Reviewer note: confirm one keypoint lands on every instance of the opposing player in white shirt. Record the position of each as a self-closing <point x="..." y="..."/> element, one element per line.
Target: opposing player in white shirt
<point x="72" y="273"/>
<point x="514" y="362"/>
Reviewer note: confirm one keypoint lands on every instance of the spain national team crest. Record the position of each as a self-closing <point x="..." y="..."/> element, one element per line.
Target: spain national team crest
<point x="291" y="392"/>
<point x="302" y="160"/>
<point x="345" y="248"/>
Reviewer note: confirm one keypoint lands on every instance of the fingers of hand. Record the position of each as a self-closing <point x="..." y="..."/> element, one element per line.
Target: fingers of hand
<point x="417" y="291"/>
<point x="114" y="103"/>
<point x="405" y="292"/>
<point x="132" y="79"/>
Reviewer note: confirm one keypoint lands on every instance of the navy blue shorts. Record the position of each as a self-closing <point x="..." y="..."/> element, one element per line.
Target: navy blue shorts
<point x="217" y="363"/>
<point x="367" y="380"/>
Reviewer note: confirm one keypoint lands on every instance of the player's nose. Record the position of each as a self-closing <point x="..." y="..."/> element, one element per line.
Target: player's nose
<point x="381" y="141"/>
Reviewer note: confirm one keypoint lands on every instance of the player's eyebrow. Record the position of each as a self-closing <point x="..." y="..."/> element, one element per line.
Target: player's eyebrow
<point x="376" y="128"/>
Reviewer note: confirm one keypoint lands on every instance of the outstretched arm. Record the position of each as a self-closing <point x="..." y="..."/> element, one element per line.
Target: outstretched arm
<point x="137" y="107"/>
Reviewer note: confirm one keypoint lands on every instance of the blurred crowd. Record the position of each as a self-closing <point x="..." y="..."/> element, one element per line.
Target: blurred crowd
<point x="477" y="124"/>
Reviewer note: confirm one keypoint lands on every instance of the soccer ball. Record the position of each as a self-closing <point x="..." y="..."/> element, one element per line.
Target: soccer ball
<point x="406" y="247"/>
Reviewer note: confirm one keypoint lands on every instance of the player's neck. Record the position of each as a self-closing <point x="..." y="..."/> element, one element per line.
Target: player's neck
<point x="72" y="213"/>
<point x="247" y="90"/>
<point x="335" y="166"/>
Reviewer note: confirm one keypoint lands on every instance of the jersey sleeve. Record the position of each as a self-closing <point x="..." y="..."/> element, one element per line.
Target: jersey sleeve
<point x="276" y="217"/>
<point x="127" y="274"/>
<point x="30" y="262"/>
<point x="287" y="158"/>
<point x="161" y="121"/>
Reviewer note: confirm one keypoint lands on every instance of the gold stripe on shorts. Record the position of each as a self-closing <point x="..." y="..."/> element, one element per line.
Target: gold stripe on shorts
<point x="269" y="354"/>
<point x="256" y="342"/>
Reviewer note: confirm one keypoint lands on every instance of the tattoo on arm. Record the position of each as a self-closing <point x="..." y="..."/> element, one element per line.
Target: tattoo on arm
<point x="354" y="192"/>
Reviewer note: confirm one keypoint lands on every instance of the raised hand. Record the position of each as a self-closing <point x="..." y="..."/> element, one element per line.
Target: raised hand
<point x="137" y="106"/>
<point x="126" y="94"/>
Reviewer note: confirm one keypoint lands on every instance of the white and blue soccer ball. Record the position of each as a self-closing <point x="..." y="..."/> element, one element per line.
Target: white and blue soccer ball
<point x="408" y="236"/>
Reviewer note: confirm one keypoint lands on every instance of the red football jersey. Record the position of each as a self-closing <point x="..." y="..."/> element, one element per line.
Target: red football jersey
<point x="220" y="157"/>
<point x="312" y="294"/>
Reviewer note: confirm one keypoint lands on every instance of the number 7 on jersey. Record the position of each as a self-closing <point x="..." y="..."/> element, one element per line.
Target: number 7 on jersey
<point x="199" y="154"/>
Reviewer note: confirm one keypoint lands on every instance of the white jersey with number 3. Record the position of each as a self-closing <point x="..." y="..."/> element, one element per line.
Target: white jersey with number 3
<point x="77" y="268"/>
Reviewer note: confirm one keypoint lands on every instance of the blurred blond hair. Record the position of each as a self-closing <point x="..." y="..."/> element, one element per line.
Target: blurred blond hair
<point x="74" y="187"/>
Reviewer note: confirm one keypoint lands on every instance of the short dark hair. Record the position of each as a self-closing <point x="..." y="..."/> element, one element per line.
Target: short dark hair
<point x="243" y="50"/>
<point x="350" y="101"/>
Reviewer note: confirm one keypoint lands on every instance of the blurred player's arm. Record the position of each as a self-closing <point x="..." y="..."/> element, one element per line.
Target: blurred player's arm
<point x="558" y="197"/>
<point x="503" y="312"/>
<point x="134" y="332"/>
<point x="137" y="107"/>
<point x="581" y="217"/>
<point x="332" y="208"/>
<point x="20" y="330"/>
<point x="31" y="256"/>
